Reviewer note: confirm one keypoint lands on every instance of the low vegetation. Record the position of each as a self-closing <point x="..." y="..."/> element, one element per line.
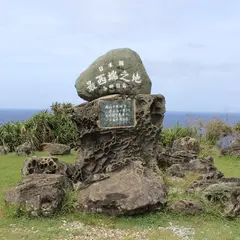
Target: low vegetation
<point x="70" y="224"/>
<point x="45" y="126"/>
<point x="207" y="132"/>
<point x="55" y="126"/>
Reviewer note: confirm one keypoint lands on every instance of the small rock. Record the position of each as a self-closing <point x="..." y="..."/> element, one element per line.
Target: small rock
<point x="4" y="150"/>
<point x="167" y="158"/>
<point x="56" y="148"/>
<point x="25" y="149"/>
<point x="39" y="194"/>
<point x="186" y="144"/>
<point x="175" y="171"/>
<point x="187" y="207"/>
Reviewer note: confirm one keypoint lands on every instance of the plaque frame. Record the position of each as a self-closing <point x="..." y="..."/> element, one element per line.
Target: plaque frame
<point x="117" y="126"/>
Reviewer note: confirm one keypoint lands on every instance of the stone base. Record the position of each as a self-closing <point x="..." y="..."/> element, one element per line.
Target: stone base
<point x="131" y="191"/>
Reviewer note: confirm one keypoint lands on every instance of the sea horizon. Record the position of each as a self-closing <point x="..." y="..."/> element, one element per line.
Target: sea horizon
<point x="171" y="118"/>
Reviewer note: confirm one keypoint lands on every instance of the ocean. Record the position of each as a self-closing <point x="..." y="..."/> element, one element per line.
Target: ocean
<point x="170" y="119"/>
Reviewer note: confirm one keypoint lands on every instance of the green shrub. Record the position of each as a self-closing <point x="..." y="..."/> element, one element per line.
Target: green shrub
<point x="215" y="129"/>
<point x="11" y="134"/>
<point x="169" y="135"/>
<point x="237" y="127"/>
<point x="64" y="130"/>
<point x="45" y="126"/>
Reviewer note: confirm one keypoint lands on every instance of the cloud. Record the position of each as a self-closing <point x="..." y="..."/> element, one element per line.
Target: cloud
<point x="190" y="48"/>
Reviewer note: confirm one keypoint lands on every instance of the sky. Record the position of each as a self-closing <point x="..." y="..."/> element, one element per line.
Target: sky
<point x="190" y="49"/>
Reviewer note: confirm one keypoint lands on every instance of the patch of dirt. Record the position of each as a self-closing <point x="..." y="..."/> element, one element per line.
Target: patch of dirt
<point x="78" y="230"/>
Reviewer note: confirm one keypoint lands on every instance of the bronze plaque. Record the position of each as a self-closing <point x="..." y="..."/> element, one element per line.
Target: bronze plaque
<point x="117" y="113"/>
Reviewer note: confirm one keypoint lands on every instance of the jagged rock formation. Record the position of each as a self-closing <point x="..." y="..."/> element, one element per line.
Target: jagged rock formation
<point x="202" y="167"/>
<point x="47" y="165"/>
<point x="226" y="195"/>
<point x="186" y="144"/>
<point x="224" y="192"/>
<point x="105" y="150"/>
<point x="168" y="157"/>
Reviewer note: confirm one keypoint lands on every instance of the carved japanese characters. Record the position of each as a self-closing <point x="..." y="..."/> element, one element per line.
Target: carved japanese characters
<point x="119" y="71"/>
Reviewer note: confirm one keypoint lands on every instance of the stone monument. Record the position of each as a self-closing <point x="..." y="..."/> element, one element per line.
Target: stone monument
<point x="116" y="170"/>
<point x="119" y="132"/>
<point x="117" y="166"/>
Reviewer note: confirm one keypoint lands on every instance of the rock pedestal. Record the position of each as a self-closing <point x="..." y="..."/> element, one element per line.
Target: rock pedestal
<point x="110" y="148"/>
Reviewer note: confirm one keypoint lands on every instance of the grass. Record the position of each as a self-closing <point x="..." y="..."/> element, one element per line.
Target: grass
<point x="208" y="226"/>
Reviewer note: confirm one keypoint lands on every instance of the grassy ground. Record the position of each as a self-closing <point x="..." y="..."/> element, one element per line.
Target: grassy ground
<point x="154" y="226"/>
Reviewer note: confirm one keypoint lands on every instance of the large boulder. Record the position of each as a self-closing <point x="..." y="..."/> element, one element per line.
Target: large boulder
<point x="131" y="191"/>
<point x="119" y="71"/>
<point x="56" y="148"/>
<point x="39" y="194"/>
<point x="24" y="149"/>
<point x="4" y="150"/>
<point x="186" y="144"/>
<point x="103" y="150"/>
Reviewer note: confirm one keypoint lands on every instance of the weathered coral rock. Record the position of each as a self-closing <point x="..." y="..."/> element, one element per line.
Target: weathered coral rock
<point x="131" y="191"/>
<point x="119" y="71"/>
<point x="105" y="150"/>
<point x="56" y="148"/>
<point x="39" y="194"/>
<point x="25" y="149"/>
<point x="4" y="150"/>
<point x="167" y="157"/>
<point x="175" y="170"/>
<point x="187" y="207"/>
<point x="227" y="194"/>
<point x="200" y="185"/>
<point x="223" y="191"/>
<point x="202" y="167"/>
<point x="47" y="165"/>
<point x="186" y="144"/>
